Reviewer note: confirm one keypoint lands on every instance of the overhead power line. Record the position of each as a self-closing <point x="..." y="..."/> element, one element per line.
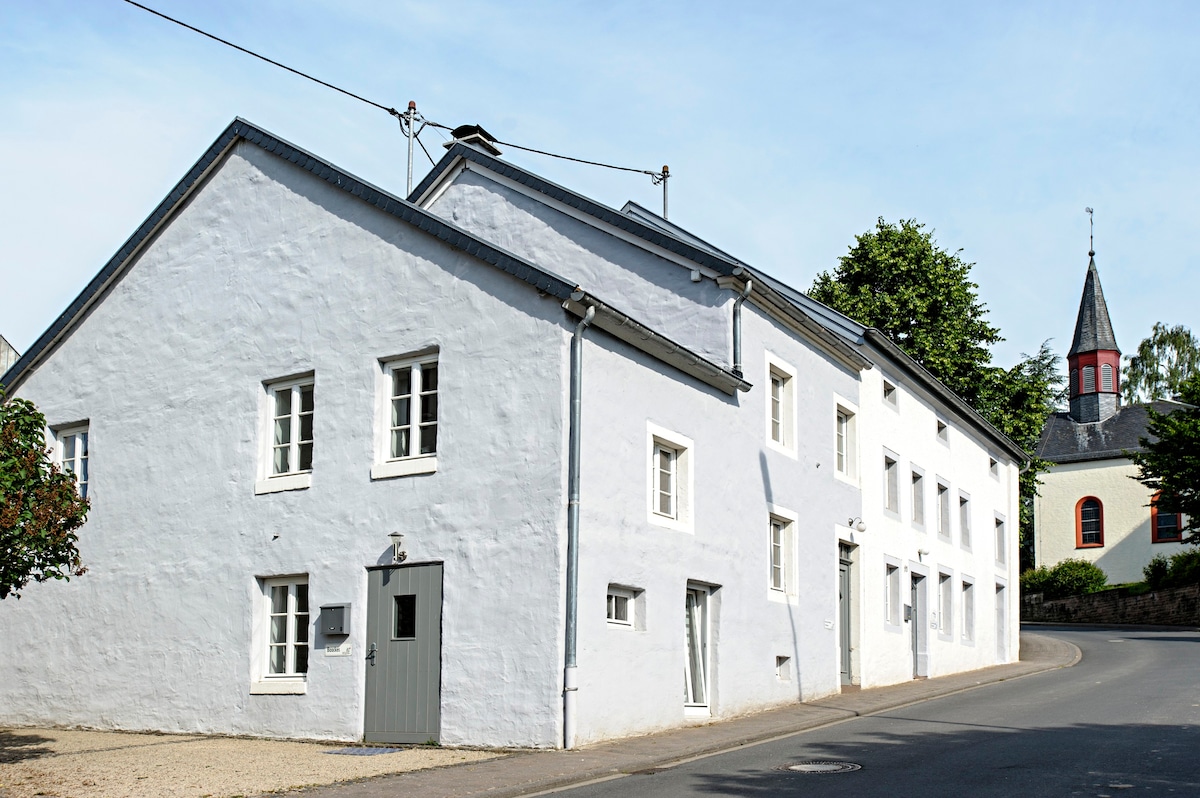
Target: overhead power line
<point x="358" y="97"/>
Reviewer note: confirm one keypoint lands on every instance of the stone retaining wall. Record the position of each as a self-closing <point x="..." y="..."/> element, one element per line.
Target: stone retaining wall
<point x="1178" y="606"/>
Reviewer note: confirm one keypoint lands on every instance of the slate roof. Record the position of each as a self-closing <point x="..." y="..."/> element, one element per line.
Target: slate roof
<point x="825" y="324"/>
<point x="610" y="319"/>
<point x="1093" y="328"/>
<point x="1065" y="440"/>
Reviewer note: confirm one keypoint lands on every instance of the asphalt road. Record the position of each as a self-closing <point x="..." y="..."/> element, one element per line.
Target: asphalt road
<point x="1123" y="722"/>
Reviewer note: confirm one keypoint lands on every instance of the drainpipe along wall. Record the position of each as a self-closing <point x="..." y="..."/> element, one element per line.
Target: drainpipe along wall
<point x="570" y="683"/>
<point x="737" y="327"/>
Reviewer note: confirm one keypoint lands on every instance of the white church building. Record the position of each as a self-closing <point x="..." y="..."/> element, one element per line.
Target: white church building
<point x="494" y="465"/>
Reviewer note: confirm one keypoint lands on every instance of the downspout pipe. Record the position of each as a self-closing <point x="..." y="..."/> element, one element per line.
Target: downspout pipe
<point x="570" y="683"/>
<point x="737" y="327"/>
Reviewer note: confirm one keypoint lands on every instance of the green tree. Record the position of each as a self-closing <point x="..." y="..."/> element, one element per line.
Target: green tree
<point x="40" y="508"/>
<point x="898" y="280"/>
<point x="1163" y="362"/>
<point x="1170" y="462"/>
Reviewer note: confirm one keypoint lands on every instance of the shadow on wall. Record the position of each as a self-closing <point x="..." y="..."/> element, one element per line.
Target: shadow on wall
<point x="1124" y="561"/>
<point x="1060" y="760"/>
<point x="20" y="746"/>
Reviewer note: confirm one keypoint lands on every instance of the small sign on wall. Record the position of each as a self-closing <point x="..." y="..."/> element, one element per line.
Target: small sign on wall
<point x="338" y="649"/>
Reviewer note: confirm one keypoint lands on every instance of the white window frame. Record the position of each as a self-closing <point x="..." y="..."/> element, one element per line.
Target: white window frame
<point x="621" y="598"/>
<point x="891" y="394"/>
<point x="661" y="440"/>
<point x="845" y="441"/>
<point x="891" y="483"/>
<point x="994" y="467"/>
<point x="945" y="619"/>
<point x="698" y="703"/>
<point x="781" y="405"/>
<point x="943" y="431"/>
<point x="786" y="569"/>
<point x="942" y="492"/>
<point x="291" y="681"/>
<point x="294" y="478"/>
<point x="78" y="461"/>
<point x="917" y="496"/>
<point x="1001" y="540"/>
<point x="891" y="594"/>
<point x="968" y="609"/>
<point x="964" y="520"/>
<point x="387" y="466"/>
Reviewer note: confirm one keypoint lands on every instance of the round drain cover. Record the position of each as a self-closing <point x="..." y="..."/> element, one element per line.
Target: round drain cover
<point x="820" y="766"/>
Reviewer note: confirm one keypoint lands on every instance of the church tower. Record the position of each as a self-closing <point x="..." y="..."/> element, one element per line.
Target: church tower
<point x="1094" y="360"/>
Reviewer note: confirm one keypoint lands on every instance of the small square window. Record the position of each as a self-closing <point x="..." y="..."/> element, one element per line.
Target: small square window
<point x="943" y="431"/>
<point x="783" y="669"/>
<point x="404" y="626"/>
<point x="73" y="454"/>
<point x="993" y="467"/>
<point x="889" y="394"/>
<point x="288" y="456"/>
<point x="408" y="425"/>
<point x="623" y="607"/>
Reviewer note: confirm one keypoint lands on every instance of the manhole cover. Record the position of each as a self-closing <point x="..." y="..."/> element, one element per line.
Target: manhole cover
<point x="822" y="767"/>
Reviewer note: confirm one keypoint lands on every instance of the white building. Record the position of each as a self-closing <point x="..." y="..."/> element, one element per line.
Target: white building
<point x="285" y="365"/>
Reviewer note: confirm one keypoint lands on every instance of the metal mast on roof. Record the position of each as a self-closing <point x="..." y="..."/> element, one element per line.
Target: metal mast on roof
<point x="662" y="177"/>
<point x="1091" y="234"/>
<point x="407" y="120"/>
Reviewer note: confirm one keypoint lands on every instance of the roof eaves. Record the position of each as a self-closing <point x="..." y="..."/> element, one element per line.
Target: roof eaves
<point x="622" y="326"/>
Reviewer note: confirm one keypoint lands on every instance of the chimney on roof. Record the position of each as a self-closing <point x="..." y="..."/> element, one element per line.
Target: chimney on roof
<point x="474" y="136"/>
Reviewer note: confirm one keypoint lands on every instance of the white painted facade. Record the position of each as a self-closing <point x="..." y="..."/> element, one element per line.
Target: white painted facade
<point x="269" y="271"/>
<point x="1128" y="542"/>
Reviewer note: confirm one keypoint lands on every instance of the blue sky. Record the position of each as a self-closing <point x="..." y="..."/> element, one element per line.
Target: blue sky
<point x="788" y="127"/>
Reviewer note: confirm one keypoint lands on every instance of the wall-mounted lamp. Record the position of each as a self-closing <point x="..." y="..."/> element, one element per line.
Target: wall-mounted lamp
<point x="922" y="554"/>
<point x="857" y="523"/>
<point x="398" y="554"/>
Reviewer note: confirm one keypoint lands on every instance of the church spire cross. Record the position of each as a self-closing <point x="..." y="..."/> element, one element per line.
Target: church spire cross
<point x="1091" y="233"/>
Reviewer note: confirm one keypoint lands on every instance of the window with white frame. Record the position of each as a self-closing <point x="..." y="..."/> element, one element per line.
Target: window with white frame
<point x="289" y="455"/>
<point x="409" y="424"/>
<point x="283" y="637"/>
<point x="964" y="520"/>
<point x="845" y="443"/>
<point x="943" y="506"/>
<point x="1001" y="542"/>
<point x="781" y="405"/>
<point x="891" y="594"/>
<point x="994" y="467"/>
<point x="943" y="431"/>
<point x="945" y="604"/>
<point x="782" y="554"/>
<point x="918" y="498"/>
<point x="889" y="393"/>
<point x="968" y="610"/>
<point x="891" y="485"/>
<point x="72" y="446"/>
<point x="620" y="606"/>
<point x="670" y="478"/>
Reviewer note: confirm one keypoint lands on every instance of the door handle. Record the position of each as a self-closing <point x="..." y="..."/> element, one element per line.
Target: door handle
<point x="371" y="654"/>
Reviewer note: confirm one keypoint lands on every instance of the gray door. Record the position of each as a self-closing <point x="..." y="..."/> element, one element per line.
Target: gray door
<point x="920" y="634"/>
<point x="404" y="654"/>
<point x="844" y="610"/>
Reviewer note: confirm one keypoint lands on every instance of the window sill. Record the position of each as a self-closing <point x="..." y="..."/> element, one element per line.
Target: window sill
<point x="781" y="597"/>
<point x="1089" y="545"/>
<point x="895" y="628"/>
<point x="282" y="483"/>
<point x="426" y="464"/>
<point x="279" y="687"/>
<point x="696" y="712"/>
<point x="848" y="478"/>
<point x="670" y="523"/>
<point x="782" y="448"/>
<point x="1167" y="540"/>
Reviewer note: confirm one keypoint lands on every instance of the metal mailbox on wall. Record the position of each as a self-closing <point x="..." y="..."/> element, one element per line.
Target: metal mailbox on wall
<point x="335" y="619"/>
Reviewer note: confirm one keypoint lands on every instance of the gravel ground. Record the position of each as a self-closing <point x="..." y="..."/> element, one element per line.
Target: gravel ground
<point x="90" y="764"/>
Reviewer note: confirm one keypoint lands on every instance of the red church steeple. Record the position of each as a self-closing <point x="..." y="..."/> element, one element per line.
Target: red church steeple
<point x="1094" y="361"/>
